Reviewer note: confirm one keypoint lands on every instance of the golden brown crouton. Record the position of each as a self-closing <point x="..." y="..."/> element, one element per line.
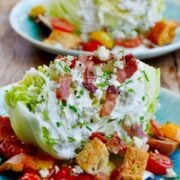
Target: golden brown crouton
<point x="134" y="164"/>
<point x="94" y="157"/>
<point x="67" y="40"/>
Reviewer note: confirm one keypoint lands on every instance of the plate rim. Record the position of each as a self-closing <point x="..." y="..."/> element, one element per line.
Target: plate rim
<point x="147" y="53"/>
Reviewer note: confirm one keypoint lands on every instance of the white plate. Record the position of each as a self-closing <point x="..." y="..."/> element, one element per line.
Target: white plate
<point x="31" y="32"/>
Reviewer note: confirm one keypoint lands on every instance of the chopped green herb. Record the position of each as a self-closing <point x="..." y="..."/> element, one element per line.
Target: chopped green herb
<point x="139" y="78"/>
<point x="46" y="136"/>
<point x="73" y="108"/>
<point x="71" y="139"/>
<point x="83" y="142"/>
<point x="60" y="104"/>
<point x="67" y="69"/>
<point x="106" y="74"/>
<point x="141" y="119"/>
<point x="64" y="103"/>
<point x="109" y="136"/>
<point x="58" y="124"/>
<point x="45" y="115"/>
<point x="130" y="81"/>
<point x="88" y="128"/>
<point x="131" y="90"/>
<point x="81" y="92"/>
<point x="145" y="75"/>
<point x="101" y="85"/>
<point x="143" y="98"/>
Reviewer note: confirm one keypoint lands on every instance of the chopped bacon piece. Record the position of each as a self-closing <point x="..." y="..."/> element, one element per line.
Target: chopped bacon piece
<point x="86" y="60"/>
<point x="129" y="69"/>
<point x="135" y="130"/>
<point x="121" y="75"/>
<point x="116" y="145"/>
<point x="110" y="102"/>
<point x="91" y="87"/>
<point x="22" y="162"/>
<point x="155" y="128"/>
<point x="89" y="75"/>
<point x="130" y="66"/>
<point x="166" y="146"/>
<point x="63" y="91"/>
<point x="73" y="63"/>
<point x="99" y="135"/>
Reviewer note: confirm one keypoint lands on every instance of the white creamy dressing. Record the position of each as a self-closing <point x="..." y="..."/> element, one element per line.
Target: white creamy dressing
<point x="69" y="135"/>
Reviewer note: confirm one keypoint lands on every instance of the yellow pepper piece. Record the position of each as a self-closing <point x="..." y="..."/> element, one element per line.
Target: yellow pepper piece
<point x="103" y="38"/>
<point x="171" y="131"/>
<point x="37" y="10"/>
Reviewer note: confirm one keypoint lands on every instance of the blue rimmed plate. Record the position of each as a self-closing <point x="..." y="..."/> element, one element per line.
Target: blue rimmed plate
<point x="30" y="31"/>
<point x="169" y="111"/>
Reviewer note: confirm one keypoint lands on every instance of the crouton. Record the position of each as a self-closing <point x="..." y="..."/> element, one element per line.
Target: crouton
<point x="134" y="164"/>
<point x="94" y="158"/>
<point x="66" y="40"/>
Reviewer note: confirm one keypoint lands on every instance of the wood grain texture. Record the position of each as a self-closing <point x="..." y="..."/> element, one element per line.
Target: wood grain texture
<point x="17" y="55"/>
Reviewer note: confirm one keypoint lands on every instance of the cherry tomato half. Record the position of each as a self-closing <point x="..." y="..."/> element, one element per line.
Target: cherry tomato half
<point x="129" y="43"/>
<point x="90" y="45"/>
<point x="62" y="25"/>
<point x="158" y="163"/>
<point x="30" y="176"/>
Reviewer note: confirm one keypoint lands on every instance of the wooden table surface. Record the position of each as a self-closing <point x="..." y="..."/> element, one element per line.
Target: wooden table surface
<point x="17" y="55"/>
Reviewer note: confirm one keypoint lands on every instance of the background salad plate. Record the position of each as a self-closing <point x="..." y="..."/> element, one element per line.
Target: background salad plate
<point x="31" y="31"/>
<point x="169" y="110"/>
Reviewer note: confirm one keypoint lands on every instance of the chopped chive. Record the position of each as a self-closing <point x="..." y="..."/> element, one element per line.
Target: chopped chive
<point x="139" y="78"/>
<point x="46" y="136"/>
<point x="101" y="85"/>
<point x="71" y="139"/>
<point x="130" y="81"/>
<point x="109" y="136"/>
<point x="67" y="69"/>
<point x="83" y="142"/>
<point x="45" y="115"/>
<point x="143" y="98"/>
<point x="141" y="119"/>
<point x="130" y="90"/>
<point x="88" y="128"/>
<point x="145" y="75"/>
<point x="81" y="92"/>
<point x="73" y="108"/>
<point x="58" y="124"/>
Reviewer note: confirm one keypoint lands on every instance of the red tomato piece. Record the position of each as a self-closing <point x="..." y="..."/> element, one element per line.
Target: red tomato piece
<point x="110" y="102"/>
<point x="100" y="135"/>
<point x="65" y="173"/>
<point x="90" y="46"/>
<point x="30" y="176"/>
<point x="62" y="25"/>
<point x="129" y="43"/>
<point x="85" y="176"/>
<point x="63" y="91"/>
<point x="158" y="163"/>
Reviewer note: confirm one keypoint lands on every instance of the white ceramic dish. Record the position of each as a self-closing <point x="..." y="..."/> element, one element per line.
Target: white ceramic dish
<point x="31" y="32"/>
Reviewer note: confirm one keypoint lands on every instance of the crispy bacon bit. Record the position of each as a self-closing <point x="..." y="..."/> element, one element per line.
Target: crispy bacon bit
<point x="63" y="91"/>
<point x="99" y="135"/>
<point x="155" y="128"/>
<point x="116" y="145"/>
<point x="135" y="130"/>
<point x="22" y="162"/>
<point x="86" y="60"/>
<point x="110" y="102"/>
<point x="89" y="75"/>
<point x="73" y="63"/>
<point x="130" y="68"/>
<point x="166" y="146"/>
<point x="58" y="56"/>
<point x="91" y="87"/>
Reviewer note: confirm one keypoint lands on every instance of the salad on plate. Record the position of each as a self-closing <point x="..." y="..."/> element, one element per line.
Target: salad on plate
<point x="89" y="117"/>
<point x="87" y="24"/>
